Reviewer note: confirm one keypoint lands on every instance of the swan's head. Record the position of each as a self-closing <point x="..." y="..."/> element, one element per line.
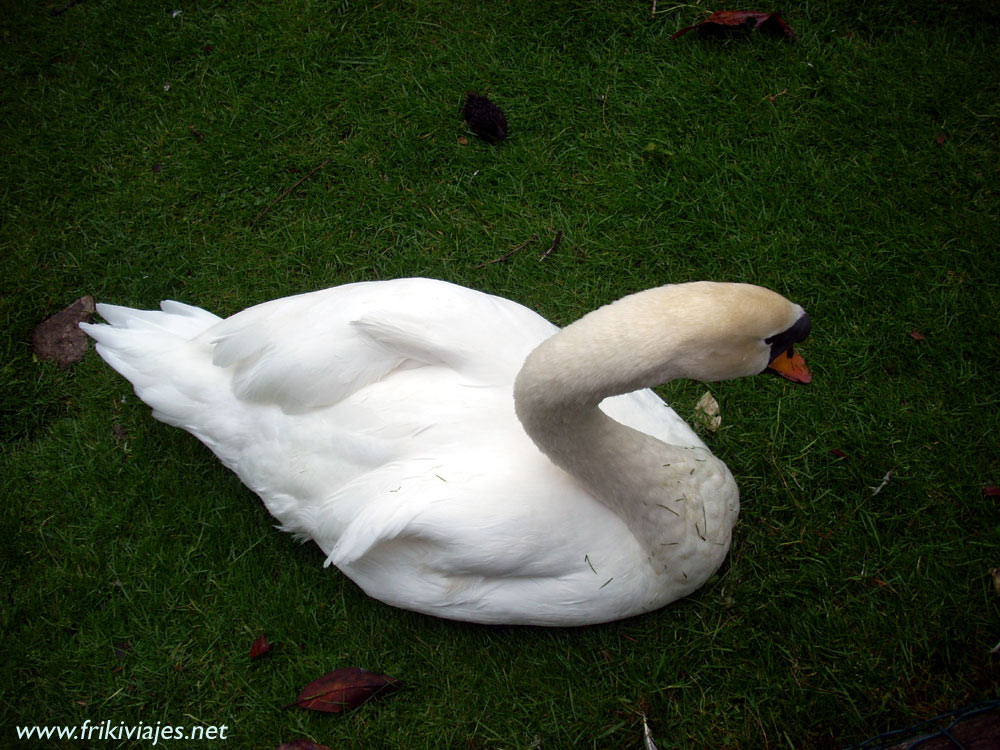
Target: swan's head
<point x="702" y="330"/>
<point x="719" y="331"/>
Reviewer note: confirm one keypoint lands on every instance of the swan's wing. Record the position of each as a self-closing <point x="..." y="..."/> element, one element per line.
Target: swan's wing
<point x="645" y="411"/>
<point x="386" y="515"/>
<point x="475" y="514"/>
<point x="316" y="349"/>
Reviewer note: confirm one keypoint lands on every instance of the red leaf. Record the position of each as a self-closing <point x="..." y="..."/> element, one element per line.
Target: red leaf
<point x="837" y="453"/>
<point x="916" y="335"/>
<point x="991" y="490"/>
<point x="730" y="20"/>
<point x="301" y="745"/>
<point x="260" y="647"/>
<point x="344" y="689"/>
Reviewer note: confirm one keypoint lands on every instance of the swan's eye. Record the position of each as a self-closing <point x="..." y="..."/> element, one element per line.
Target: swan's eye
<point x="783" y="342"/>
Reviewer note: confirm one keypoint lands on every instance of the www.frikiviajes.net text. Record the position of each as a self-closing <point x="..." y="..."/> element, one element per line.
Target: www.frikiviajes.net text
<point x="109" y="730"/>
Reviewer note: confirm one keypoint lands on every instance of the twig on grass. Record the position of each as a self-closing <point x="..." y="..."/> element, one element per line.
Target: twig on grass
<point x="275" y="202"/>
<point x="59" y="11"/>
<point x="553" y="246"/>
<point x="507" y="255"/>
<point x="885" y="481"/>
<point x="656" y="11"/>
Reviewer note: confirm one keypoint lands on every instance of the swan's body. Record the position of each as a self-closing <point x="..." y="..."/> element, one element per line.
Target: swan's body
<point x="379" y="420"/>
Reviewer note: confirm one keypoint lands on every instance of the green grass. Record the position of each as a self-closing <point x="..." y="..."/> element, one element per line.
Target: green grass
<point x="855" y="171"/>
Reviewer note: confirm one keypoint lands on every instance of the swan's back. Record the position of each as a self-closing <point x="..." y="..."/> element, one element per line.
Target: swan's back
<point x="319" y="348"/>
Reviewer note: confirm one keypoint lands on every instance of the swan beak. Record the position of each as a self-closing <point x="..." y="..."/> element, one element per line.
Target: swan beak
<point x="789" y="364"/>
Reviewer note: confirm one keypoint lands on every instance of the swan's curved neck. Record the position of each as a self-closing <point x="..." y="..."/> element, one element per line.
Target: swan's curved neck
<point x="659" y="490"/>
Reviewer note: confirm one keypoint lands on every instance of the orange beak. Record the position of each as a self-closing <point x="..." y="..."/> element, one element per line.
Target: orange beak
<point x="790" y="365"/>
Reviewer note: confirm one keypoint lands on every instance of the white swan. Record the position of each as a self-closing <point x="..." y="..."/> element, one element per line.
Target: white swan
<point x="395" y="423"/>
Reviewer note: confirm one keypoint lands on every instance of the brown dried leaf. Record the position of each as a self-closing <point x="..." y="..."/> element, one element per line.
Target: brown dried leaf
<point x="59" y="338"/>
<point x="706" y="411"/>
<point x="732" y="20"/>
<point x="916" y="335"/>
<point x="301" y="745"/>
<point x="260" y="647"/>
<point x="996" y="579"/>
<point x="344" y="689"/>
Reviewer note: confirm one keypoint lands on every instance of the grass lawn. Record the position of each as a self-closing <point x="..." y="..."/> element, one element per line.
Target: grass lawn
<point x="145" y="155"/>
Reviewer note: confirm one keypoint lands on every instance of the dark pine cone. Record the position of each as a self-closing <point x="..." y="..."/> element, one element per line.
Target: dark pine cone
<point x="485" y="118"/>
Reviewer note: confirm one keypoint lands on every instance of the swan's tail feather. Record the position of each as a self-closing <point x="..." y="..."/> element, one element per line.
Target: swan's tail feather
<point x="174" y="318"/>
<point x="158" y="352"/>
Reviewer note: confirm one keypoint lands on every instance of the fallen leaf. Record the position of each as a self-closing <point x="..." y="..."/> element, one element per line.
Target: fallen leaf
<point x="485" y="118"/>
<point x="940" y="138"/>
<point x="260" y="647"/>
<point x="463" y="141"/>
<point x="59" y="338"/>
<point x="301" y="745"/>
<point x="733" y="20"/>
<point x="706" y="411"/>
<point x="344" y="689"/>
<point x="837" y="453"/>
<point x="996" y="579"/>
<point x="991" y="490"/>
<point x="916" y="335"/>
